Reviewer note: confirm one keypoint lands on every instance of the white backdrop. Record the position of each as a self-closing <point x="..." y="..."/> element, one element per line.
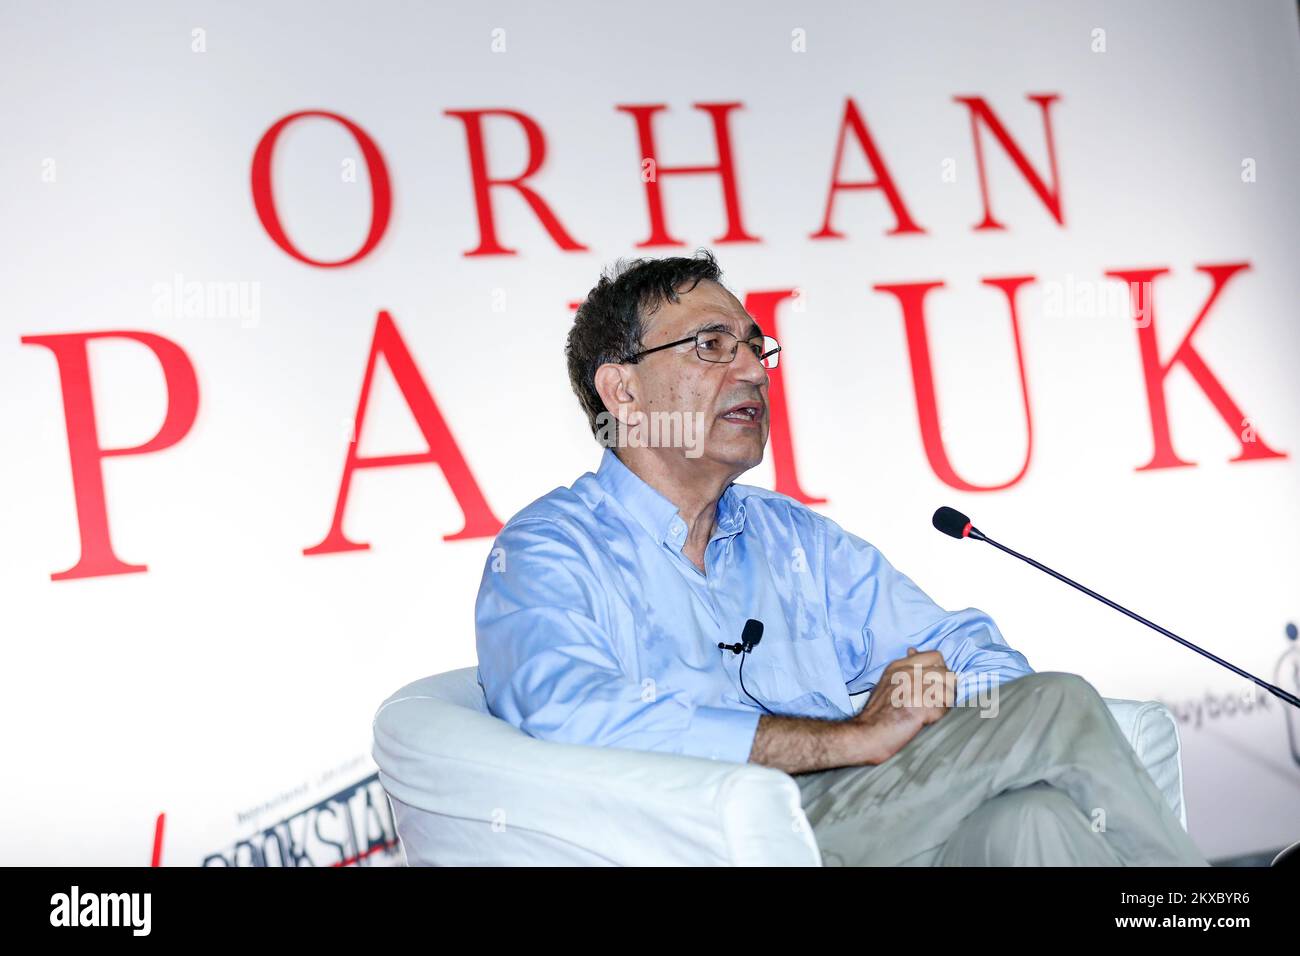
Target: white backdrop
<point x="230" y="686"/>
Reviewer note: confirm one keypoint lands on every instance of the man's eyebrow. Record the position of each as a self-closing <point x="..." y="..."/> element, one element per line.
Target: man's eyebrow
<point x="754" y="330"/>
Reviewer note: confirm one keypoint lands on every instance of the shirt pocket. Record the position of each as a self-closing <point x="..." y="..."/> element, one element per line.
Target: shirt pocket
<point x="785" y="692"/>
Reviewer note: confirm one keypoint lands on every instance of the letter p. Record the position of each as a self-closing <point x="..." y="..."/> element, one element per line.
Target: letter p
<point x="84" y="451"/>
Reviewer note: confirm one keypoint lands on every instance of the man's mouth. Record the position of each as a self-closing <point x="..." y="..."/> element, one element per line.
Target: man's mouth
<point x="746" y="413"/>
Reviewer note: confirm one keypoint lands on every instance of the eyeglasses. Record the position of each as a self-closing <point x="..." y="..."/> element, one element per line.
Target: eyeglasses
<point x="720" y="346"/>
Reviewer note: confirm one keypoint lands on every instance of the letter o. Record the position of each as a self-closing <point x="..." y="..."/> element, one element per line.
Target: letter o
<point x="381" y="198"/>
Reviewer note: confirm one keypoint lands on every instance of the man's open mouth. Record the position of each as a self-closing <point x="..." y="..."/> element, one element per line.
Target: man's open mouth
<point x="746" y="413"/>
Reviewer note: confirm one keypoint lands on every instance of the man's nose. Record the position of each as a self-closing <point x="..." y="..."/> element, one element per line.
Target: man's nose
<point x="746" y="366"/>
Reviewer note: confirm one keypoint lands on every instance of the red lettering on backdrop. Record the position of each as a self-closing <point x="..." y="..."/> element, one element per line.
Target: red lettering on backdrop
<point x="725" y="168"/>
<point x="762" y="306"/>
<point x="381" y="199"/>
<point x="443" y="451"/>
<point x="903" y="222"/>
<point x="911" y="296"/>
<point x="1142" y="293"/>
<point x="84" y="451"/>
<point x="488" y="244"/>
<point x="979" y="111"/>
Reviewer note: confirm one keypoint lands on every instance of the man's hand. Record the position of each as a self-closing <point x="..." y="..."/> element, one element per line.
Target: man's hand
<point x="913" y="691"/>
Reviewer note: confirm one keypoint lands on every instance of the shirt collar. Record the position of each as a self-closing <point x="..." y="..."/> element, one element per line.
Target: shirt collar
<point x="656" y="513"/>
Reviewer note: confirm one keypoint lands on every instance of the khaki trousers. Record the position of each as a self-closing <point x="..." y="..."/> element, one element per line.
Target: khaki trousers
<point x="1050" y="780"/>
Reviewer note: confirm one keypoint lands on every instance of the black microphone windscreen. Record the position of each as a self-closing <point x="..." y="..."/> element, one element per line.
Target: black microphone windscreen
<point x="951" y="521"/>
<point x="753" y="632"/>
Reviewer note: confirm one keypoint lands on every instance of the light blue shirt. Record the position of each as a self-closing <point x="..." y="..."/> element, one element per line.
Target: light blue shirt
<point x="594" y="628"/>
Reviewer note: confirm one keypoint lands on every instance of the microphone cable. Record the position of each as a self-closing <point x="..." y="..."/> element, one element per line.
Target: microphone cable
<point x="749" y="638"/>
<point x="742" y="684"/>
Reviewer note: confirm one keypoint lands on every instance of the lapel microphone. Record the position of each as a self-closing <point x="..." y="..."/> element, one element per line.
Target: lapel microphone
<point x="749" y="638"/>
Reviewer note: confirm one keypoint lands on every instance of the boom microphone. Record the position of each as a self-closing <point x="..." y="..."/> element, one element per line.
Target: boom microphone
<point x="954" y="523"/>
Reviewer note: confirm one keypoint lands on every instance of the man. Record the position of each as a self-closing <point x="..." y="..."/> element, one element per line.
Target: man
<point x="603" y="607"/>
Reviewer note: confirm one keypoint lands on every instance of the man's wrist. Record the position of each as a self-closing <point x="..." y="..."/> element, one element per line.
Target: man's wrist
<point x="853" y="743"/>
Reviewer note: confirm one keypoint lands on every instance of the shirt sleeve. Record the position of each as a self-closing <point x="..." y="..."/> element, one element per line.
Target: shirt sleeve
<point x="547" y="663"/>
<point x="876" y="613"/>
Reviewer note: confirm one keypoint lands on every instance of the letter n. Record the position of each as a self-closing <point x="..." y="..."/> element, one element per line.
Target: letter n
<point x="1049" y="194"/>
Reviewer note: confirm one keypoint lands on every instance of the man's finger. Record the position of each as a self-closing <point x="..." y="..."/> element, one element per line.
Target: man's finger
<point x="913" y="652"/>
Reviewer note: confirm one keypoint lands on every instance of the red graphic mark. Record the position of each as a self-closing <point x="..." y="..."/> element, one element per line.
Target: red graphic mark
<point x="157" y="840"/>
<point x="361" y="856"/>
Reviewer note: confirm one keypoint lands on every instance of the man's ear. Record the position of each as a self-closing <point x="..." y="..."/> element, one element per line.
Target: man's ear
<point x="617" y="387"/>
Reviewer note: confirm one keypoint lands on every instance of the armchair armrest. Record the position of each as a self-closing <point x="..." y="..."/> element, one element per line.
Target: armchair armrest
<point x="1152" y="731"/>
<point x="470" y="789"/>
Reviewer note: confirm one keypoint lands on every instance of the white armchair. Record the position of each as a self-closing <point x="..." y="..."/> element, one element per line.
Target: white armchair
<point x="469" y="789"/>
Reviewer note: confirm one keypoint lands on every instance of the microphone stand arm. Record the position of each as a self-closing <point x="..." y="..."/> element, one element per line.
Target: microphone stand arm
<point x="1290" y="698"/>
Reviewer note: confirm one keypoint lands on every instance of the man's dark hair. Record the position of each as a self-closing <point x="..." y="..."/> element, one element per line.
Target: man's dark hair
<point x="611" y="320"/>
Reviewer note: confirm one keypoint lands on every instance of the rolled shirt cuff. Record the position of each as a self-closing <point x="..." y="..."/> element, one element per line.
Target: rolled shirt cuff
<point x="977" y="689"/>
<point x="721" y="733"/>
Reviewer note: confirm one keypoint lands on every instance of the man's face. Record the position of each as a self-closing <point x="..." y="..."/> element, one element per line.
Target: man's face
<point x="678" y="380"/>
